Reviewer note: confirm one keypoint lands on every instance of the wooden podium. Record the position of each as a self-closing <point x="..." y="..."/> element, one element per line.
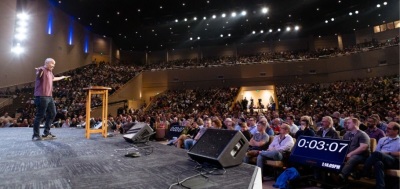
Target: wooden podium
<point x="97" y="90"/>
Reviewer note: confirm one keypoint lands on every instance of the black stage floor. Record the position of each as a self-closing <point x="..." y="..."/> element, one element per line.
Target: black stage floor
<point x="72" y="161"/>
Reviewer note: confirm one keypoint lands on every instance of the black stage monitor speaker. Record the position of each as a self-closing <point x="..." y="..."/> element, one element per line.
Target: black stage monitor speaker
<point x="140" y="132"/>
<point x="220" y="148"/>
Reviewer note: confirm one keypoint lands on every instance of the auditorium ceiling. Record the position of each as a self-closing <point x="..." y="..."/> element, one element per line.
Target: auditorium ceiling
<point x="172" y="24"/>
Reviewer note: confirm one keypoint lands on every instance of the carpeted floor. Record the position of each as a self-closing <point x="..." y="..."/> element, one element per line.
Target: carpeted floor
<point x="72" y="161"/>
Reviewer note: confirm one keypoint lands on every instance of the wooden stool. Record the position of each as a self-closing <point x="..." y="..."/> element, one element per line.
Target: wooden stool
<point x="94" y="90"/>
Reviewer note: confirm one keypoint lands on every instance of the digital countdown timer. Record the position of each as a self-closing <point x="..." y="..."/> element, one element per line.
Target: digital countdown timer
<point x="322" y="152"/>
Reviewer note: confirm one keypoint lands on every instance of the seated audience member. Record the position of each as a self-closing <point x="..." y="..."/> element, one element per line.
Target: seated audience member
<point x="276" y="125"/>
<point x="338" y="127"/>
<point x="281" y="144"/>
<point x="268" y="130"/>
<point x="66" y="123"/>
<point x="257" y="141"/>
<point x="188" y="143"/>
<point x="228" y="124"/>
<point x="252" y="125"/>
<point x="373" y="131"/>
<point x="293" y="127"/>
<point x="74" y="122"/>
<point x="14" y="123"/>
<point x="24" y="123"/>
<point x="186" y="133"/>
<point x="386" y="155"/>
<point x="381" y="125"/>
<point x="327" y="131"/>
<point x="245" y="131"/>
<point x="216" y="123"/>
<point x="358" y="148"/>
<point x="305" y="129"/>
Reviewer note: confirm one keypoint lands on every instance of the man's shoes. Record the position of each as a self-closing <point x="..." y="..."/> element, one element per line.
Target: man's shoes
<point x="36" y="137"/>
<point x="48" y="136"/>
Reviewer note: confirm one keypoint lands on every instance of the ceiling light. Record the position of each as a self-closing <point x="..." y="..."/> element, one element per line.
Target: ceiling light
<point x="229" y="34"/>
<point x="98" y="16"/>
<point x="198" y="38"/>
<point x="254" y="32"/>
<point x="160" y="7"/>
<point x="117" y="12"/>
<point x="378" y="5"/>
<point x="185" y="19"/>
<point x="204" y="18"/>
<point x="233" y="14"/>
<point x="138" y="10"/>
<point x="288" y="28"/>
<point x="222" y="35"/>
<point x="264" y="10"/>
<point x="183" y="4"/>
<point x="317" y="9"/>
<point x="191" y="38"/>
<point x="214" y="16"/>
<point x="176" y="20"/>
<point x="243" y="13"/>
<point x="350" y="13"/>
<point x="356" y="12"/>
<point x="270" y="30"/>
<point x="223" y="15"/>
<point x="22" y="16"/>
<point x="296" y="28"/>
<point x="326" y="21"/>
<point x="195" y="18"/>
<point x="332" y="19"/>
<point x="385" y="3"/>
<point x="262" y="31"/>
<point x="279" y="29"/>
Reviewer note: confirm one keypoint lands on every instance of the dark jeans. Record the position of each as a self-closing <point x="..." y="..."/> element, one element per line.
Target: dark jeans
<point x="380" y="161"/>
<point x="44" y="106"/>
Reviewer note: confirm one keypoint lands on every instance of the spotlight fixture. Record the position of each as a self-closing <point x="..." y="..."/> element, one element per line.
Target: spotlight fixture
<point x="264" y="10"/>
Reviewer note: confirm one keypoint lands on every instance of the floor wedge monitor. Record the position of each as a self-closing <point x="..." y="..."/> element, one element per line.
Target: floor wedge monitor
<point x="220" y="148"/>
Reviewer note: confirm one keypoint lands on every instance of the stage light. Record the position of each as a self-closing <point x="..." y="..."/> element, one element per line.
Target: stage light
<point x="288" y="28"/>
<point x="176" y="20"/>
<point x="233" y="14"/>
<point x="223" y="15"/>
<point x="229" y="34"/>
<point x="198" y="38"/>
<point x="20" y="36"/>
<point x="356" y="12"/>
<point x="22" y="16"/>
<point x="21" y="29"/>
<point x="195" y="18"/>
<point x="214" y="16"/>
<point x="326" y="21"/>
<point x="296" y="28"/>
<point x="191" y="38"/>
<point x="254" y="32"/>
<point x="378" y="5"/>
<point x="264" y="10"/>
<point x="17" y="49"/>
<point x="222" y="35"/>
<point x="332" y="19"/>
<point x="185" y="19"/>
<point x="262" y="31"/>
<point x="279" y="29"/>
<point x="350" y="13"/>
<point x="385" y="3"/>
<point x="22" y="23"/>
<point x="270" y="30"/>
<point x="204" y="18"/>
<point x="244" y="13"/>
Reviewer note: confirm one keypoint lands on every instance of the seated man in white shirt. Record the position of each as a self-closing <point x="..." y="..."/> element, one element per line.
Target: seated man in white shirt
<point x="281" y="143"/>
